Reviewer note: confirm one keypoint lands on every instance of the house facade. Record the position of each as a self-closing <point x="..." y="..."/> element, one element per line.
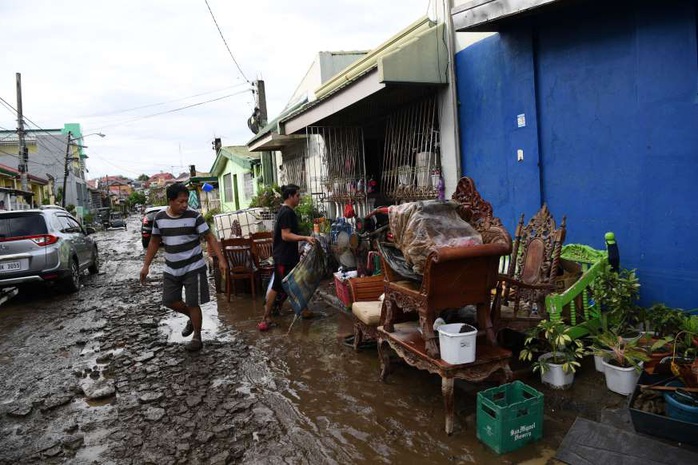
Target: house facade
<point x="52" y="154"/>
<point x="589" y="107"/>
<point x="237" y="170"/>
<point x="375" y="131"/>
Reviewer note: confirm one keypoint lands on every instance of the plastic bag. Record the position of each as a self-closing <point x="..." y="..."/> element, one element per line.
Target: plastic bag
<point x="420" y="227"/>
<point x="303" y="280"/>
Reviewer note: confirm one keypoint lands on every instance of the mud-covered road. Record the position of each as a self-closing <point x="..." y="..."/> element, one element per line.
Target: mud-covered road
<point x="102" y="376"/>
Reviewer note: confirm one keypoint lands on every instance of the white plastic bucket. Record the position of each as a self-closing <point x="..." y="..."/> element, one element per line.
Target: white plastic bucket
<point x="457" y="347"/>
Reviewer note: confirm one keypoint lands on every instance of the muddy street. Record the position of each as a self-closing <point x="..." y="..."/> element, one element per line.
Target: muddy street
<point x="101" y="376"/>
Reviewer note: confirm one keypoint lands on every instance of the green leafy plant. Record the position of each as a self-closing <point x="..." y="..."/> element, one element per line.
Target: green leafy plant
<point x="616" y="295"/>
<point x="210" y="213"/>
<point x="624" y="353"/>
<point x="553" y="337"/>
<point x="268" y="197"/>
<point x="307" y="212"/>
<point x="664" y="321"/>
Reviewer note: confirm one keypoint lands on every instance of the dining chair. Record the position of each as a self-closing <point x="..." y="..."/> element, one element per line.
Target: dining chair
<point x="241" y="264"/>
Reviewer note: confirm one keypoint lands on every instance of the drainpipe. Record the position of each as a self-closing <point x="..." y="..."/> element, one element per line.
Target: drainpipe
<point x="450" y="46"/>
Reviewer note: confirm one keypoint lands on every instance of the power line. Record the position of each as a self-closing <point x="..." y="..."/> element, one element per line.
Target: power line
<point x="174" y="109"/>
<point x="163" y="103"/>
<point x="224" y="41"/>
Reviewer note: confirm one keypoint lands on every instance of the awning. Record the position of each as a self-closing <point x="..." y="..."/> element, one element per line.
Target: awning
<point x="489" y="15"/>
<point x="416" y="56"/>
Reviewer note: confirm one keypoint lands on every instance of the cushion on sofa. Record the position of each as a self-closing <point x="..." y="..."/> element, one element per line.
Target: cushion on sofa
<point x="368" y="312"/>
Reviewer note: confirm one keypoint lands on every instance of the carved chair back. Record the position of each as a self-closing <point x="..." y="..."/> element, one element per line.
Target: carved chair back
<point x="535" y="259"/>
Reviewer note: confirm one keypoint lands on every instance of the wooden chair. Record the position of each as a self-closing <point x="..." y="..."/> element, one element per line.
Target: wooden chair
<point x="453" y="276"/>
<point x="255" y="236"/>
<point x="519" y="300"/>
<point x="238" y="252"/>
<point x="262" y="252"/>
<point x="366" y="307"/>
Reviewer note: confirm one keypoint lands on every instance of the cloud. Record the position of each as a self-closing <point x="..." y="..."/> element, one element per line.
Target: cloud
<point x="83" y="61"/>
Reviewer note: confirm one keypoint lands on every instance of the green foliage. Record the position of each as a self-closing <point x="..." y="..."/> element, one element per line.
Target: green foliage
<point x="307" y="212"/>
<point x="143" y="177"/>
<point x="88" y="218"/>
<point x="553" y="337"/>
<point x="616" y="294"/>
<point x="136" y="198"/>
<point x="157" y="196"/>
<point x="664" y="321"/>
<point x="624" y="353"/>
<point x="71" y="208"/>
<point x="268" y="197"/>
<point x="210" y="213"/>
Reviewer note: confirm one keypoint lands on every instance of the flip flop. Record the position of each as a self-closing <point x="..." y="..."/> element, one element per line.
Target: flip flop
<point x="188" y="329"/>
<point x="266" y="325"/>
<point x="194" y="345"/>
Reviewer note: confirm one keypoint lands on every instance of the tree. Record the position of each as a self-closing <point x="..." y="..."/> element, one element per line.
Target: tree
<point x="143" y="177"/>
<point x="136" y="198"/>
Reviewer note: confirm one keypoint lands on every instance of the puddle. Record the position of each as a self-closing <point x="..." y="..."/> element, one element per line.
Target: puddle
<point x="333" y="394"/>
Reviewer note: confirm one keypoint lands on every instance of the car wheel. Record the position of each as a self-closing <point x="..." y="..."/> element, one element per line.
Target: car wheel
<point x="145" y="242"/>
<point x="72" y="283"/>
<point x="94" y="268"/>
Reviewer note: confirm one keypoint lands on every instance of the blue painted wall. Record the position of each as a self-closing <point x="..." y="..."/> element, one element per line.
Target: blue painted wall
<point x="611" y="136"/>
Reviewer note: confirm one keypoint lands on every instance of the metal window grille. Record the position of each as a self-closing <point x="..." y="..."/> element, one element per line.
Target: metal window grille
<point x="412" y="162"/>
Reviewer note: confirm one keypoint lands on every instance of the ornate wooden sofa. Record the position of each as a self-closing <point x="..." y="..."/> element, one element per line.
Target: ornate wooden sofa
<point x="453" y="276"/>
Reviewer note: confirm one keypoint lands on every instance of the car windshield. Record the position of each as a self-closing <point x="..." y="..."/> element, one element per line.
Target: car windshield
<point x="19" y="224"/>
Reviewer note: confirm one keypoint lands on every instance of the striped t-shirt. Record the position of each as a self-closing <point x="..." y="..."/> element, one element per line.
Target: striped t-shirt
<point x="182" y="239"/>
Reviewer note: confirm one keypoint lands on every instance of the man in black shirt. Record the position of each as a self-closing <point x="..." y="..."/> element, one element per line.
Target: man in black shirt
<point x="285" y="251"/>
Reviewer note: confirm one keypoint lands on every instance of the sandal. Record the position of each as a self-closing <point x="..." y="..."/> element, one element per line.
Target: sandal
<point x="266" y="325"/>
<point x="188" y="329"/>
<point x="194" y="345"/>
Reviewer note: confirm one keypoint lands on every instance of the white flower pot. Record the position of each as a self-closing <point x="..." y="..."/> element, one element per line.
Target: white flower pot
<point x="555" y="377"/>
<point x="598" y="363"/>
<point x="621" y="380"/>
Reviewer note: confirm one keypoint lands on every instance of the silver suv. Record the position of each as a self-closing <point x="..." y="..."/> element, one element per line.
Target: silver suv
<point x="45" y="245"/>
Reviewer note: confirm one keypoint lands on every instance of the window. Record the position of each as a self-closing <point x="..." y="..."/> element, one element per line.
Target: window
<point x="16" y="225"/>
<point x="228" y="187"/>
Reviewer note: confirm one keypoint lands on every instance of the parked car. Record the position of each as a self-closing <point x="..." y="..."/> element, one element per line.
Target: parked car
<point x="117" y="221"/>
<point x="45" y="245"/>
<point x="147" y="224"/>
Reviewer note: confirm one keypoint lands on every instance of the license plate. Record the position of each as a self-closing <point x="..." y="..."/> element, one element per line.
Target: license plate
<point x="10" y="266"/>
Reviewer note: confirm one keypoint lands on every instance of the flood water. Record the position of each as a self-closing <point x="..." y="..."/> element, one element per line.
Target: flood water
<point x="332" y="400"/>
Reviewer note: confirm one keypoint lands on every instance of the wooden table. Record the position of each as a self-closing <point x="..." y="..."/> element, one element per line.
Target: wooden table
<point x="409" y="345"/>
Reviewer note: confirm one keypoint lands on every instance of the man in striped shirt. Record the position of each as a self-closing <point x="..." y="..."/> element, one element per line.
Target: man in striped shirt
<point x="180" y="230"/>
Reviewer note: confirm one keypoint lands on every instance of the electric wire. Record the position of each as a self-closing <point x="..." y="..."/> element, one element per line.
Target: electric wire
<point x="224" y="41"/>
<point x="174" y="110"/>
<point x="164" y="103"/>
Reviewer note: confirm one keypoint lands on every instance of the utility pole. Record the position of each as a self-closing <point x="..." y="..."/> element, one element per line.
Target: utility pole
<point x="65" y="174"/>
<point x="268" y="159"/>
<point x="23" y="150"/>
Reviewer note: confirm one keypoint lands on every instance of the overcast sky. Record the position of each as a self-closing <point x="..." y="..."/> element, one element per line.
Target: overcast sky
<point x="112" y="64"/>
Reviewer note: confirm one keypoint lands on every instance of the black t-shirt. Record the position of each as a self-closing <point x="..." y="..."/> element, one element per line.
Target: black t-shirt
<point x="285" y="253"/>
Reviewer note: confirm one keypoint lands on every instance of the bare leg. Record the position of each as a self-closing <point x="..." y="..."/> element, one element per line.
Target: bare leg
<point x="194" y="314"/>
<point x="269" y="304"/>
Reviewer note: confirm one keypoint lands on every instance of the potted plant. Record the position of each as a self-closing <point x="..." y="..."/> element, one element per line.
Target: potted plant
<point x="661" y="323"/>
<point x="560" y="353"/>
<point x="684" y="362"/>
<point x="616" y="295"/>
<point x="624" y="363"/>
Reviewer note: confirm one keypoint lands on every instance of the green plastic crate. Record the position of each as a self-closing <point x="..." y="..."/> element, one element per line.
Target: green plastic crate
<point x="509" y="416"/>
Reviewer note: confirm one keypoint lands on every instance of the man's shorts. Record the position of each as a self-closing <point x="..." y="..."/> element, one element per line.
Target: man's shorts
<point x="280" y="272"/>
<point x="195" y="286"/>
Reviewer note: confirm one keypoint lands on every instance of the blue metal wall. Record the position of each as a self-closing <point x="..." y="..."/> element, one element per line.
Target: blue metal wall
<point x="611" y="136"/>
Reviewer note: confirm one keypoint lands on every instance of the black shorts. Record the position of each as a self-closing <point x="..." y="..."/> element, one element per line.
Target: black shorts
<point x="280" y="272"/>
<point x="195" y="286"/>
